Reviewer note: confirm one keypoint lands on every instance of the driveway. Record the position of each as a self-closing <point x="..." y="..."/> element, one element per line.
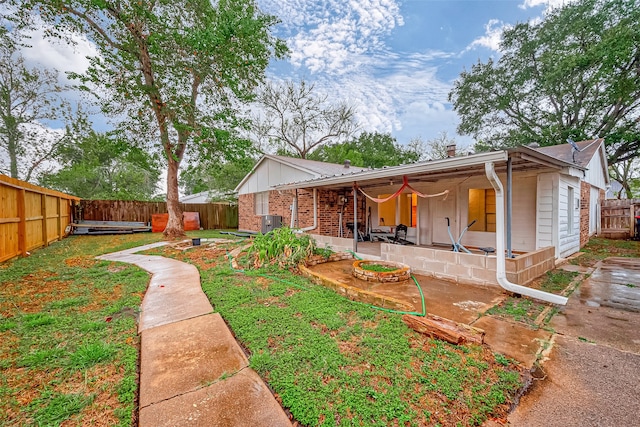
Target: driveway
<point x="592" y="371"/>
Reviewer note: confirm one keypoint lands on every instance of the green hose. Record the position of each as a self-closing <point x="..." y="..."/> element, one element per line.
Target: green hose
<point x="424" y="307"/>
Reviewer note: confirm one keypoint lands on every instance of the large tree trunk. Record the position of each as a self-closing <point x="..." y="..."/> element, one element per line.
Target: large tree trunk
<point x="175" y="226"/>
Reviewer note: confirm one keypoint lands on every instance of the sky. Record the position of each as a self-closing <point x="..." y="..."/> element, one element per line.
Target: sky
<point x="393" y="61"/>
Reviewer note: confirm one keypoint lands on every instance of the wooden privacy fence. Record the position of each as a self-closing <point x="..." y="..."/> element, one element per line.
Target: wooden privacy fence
<point x="30" y="216"/>
<point x="213" y="216"/>
<point x="618" y="218"/>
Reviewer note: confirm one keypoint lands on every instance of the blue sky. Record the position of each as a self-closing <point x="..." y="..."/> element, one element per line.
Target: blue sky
<point x="394" y="61"/>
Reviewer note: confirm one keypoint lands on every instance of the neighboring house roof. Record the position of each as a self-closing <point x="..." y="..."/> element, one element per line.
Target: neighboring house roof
<point x="312" y="167"/>
<point x="202" y="197"/>
<point x="565" y="152"/>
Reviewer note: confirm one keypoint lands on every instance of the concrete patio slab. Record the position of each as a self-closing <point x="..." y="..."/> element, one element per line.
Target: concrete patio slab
<point x="587" y="385"/>
<point x="184" y="356"/>
<point x="240" y="400"/>
<point x="605" y="308"/>
<point x="512" y="339"/>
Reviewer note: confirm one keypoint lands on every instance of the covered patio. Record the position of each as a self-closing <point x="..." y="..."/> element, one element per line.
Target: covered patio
<point x="455" y="191"/>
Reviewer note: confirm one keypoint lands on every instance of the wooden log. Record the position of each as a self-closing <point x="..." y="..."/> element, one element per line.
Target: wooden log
<point x="444" y="329"/>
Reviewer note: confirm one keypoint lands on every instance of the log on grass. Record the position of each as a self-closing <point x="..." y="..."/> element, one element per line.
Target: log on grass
<point x="444" y="329"/>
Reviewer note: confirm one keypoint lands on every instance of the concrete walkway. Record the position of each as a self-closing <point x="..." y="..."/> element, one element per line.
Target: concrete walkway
<point x="192" y="370"/>
<point x="592" y="371"/>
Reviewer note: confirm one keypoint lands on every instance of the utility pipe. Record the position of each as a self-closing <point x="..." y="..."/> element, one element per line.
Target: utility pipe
<point x="315" y="212"/>
<point x="501" y="274"/>
<point x="509" y="207"/>
<point x="355" y="218"/>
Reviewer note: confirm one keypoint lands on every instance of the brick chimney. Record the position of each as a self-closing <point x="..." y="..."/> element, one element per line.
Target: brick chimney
<point x="451" y="150"/>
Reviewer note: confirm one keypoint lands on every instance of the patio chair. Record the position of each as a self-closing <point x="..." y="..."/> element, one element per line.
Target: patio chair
<point x="400" y="237"/>
<point x="350" y="230"/>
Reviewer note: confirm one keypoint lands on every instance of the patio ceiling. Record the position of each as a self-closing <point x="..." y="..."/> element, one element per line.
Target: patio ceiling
<point x="523" y="159"/>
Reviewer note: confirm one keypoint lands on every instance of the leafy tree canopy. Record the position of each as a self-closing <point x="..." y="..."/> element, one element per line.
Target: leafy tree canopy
<point x="573" y="74"/>
<point x="100" y="166"/>
<point x="370" y="149"/>
<point x="29" y="96"/>
<point x="170" y="72"/>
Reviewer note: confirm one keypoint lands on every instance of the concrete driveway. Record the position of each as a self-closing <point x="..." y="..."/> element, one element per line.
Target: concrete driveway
<point x="593" y="370"/>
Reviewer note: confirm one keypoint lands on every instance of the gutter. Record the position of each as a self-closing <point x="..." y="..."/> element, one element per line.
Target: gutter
<point x="501" y="275"/>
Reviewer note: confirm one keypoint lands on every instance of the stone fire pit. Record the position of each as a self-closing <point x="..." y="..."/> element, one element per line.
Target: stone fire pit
<point x="398" y="272"/>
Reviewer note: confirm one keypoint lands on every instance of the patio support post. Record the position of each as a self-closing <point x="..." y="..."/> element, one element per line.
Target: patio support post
<point x="355" y="218"/>
<point x="509" y="207"/>
<point x="501" y="275"/>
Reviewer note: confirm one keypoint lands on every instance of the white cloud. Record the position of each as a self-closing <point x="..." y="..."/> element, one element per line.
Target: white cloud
<point x="332" y="36"/>
<point x="550" y="4"/>
<point x="492" y="36"/>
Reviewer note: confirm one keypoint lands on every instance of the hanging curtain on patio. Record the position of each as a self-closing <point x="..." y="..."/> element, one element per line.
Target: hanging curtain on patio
<point x="405" y="184"/>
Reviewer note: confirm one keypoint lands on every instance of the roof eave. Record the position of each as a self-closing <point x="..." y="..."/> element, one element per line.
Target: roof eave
<point x="432" y="166"/>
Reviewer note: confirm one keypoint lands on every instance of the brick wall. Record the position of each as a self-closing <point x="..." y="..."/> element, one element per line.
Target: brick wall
<point x="585" y="202"/>
<point x="280" y="204"/>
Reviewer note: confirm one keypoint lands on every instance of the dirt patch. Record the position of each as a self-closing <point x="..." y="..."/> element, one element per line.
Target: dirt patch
<point x="31" y="293"/>
<point x="102" y="297"/>
<point x="85" y="261"/>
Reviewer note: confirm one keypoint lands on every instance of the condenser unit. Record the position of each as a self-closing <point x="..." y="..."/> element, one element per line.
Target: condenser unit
<point x="271" y="222"/>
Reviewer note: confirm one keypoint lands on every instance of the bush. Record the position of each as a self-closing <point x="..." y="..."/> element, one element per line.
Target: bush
<point x="281" y="246"/>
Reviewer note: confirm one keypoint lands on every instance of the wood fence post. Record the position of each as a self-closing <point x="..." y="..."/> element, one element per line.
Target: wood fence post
<point x="43" y="207"/>
<point x="60" y="217"/>
<point x="22" y="225"/>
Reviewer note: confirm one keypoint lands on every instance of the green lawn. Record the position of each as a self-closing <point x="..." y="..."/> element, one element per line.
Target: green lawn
<point x="332" y="361"/>
<point x="68" y="337"/>
<point x="69" y="347"/>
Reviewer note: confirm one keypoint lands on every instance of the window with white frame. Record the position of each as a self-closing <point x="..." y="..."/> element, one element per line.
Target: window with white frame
<point x="262" y="203"/>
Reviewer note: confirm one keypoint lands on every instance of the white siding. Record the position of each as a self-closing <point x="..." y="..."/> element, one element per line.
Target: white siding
<point x="568" y="237"/>
<point x="270" y="173"/>
<point x="595" y="173"/>
<point x="546" y="217"/>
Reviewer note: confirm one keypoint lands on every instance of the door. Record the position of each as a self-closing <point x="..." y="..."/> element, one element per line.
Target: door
<point x="441" y="210"/>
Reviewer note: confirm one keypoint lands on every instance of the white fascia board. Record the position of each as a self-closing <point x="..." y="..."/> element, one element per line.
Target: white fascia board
<point x="394" y="171"/>
<point x="275" y="159"/>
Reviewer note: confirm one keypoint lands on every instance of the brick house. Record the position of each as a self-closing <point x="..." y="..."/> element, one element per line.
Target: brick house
<point x="550" y="199"/>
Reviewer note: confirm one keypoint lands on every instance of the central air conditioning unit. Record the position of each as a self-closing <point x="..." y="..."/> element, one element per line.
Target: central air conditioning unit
<point x="271" y="222"/>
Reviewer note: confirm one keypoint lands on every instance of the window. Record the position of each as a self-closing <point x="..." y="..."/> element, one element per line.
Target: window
<point x="262" y="203"/>
<point x="482" y="209"/>
<point x="408" y="209"/>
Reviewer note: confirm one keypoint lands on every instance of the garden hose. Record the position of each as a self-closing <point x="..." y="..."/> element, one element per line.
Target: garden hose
<point x="388" y="310"/>
<point x="424" y="308"/>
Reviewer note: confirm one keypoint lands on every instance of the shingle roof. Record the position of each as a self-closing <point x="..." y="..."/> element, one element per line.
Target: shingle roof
<point x="564" y="151"/>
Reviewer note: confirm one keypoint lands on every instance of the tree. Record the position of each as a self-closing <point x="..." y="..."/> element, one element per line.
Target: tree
<point x="575" y="73"/>
<point x="297" y="120"/>
<point x="438" y="147"/>
<point x="28" y="95"/>
<point x="172" y="70"/>
<point x="627" y="173"/>
<point x="100" y="166"/>
<point x="373" y="150"/>
<point x="219" y="176"/>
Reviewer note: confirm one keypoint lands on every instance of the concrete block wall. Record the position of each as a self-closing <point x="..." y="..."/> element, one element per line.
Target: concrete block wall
<point x="476" y="269"/>
<point x="585" y="212"/>
<point x="523" y="269"/>
<point x="337" y="244"/>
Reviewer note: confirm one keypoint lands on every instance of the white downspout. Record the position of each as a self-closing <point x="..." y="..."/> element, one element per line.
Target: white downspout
<point x="315" y="212"/>
<point x="501" y="274"/>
